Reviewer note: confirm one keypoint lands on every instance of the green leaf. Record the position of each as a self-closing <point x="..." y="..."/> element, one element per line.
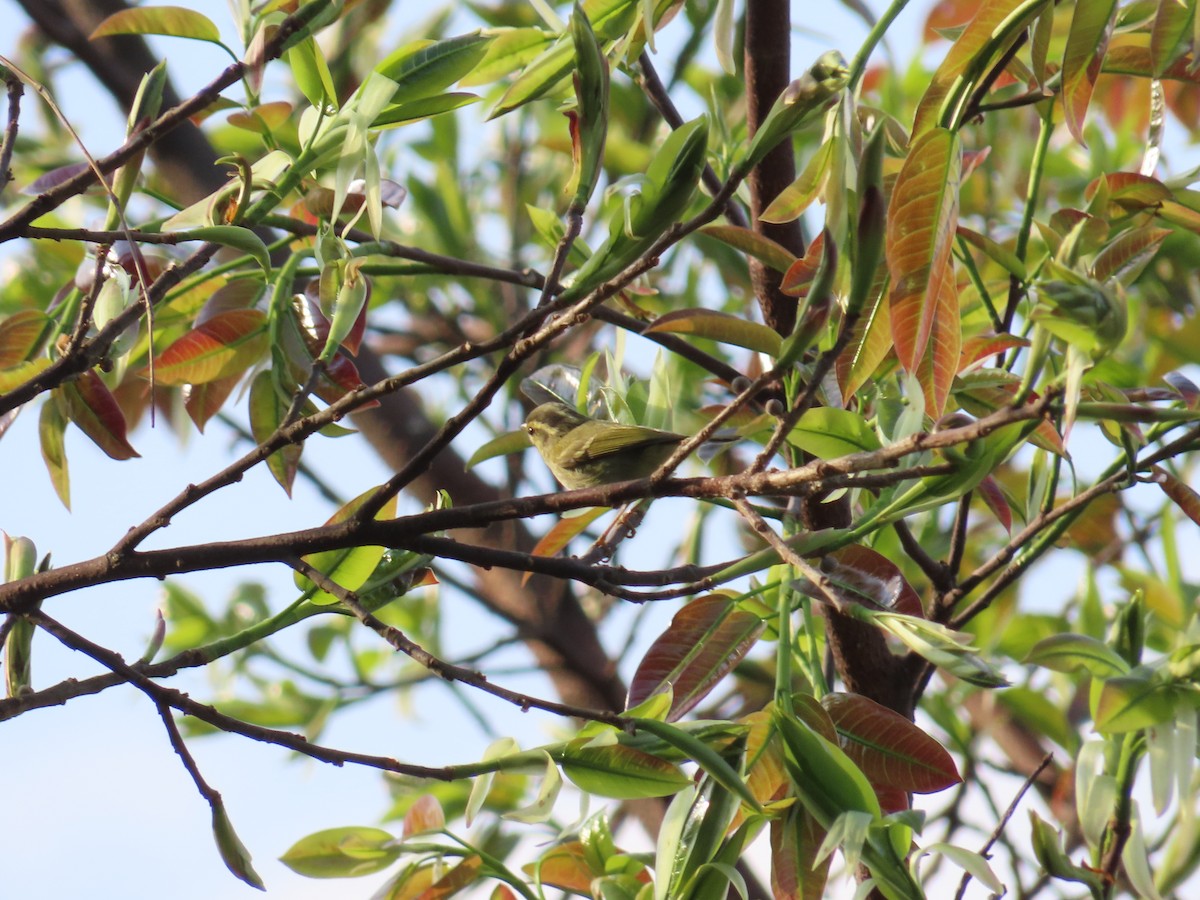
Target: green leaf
<point x="425" y="108"/>
<point x="349" y="567"/>
<point x="21" y="334"/>
<point x="223" y="346"/>
<point x="622" y="773"/>
<point x="342" y="853"/>
<point x="51" y="426"/>
<point x="828" y="432"/>
<point x="719" y="326"/>
<point x="706" y="639"/>
<point x="513" y="442"/>
<point x="173" y="21"/>
<point x="425" y="68"/>
<point x="1131" y="703"/>
<point x="1070" y="652"/>
<point x="267" y="409"/>
<point x="233" y="852"/>
<point x="508" y="51"/>
<point x="232" y="236"/>
<point x="312" y="74"/>
<point x="708" y="759"/>
<point x="768" y="252"/>
<point x="794" y="199"/>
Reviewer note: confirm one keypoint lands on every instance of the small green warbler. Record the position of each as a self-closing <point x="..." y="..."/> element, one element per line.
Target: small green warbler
<point x="582" y="452"/>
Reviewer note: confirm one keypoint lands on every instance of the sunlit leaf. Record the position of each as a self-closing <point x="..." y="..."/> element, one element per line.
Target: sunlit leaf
<point x="705" y="640"/>
<point x="21" y="334"/>
<point x="512" y="442"/>
<point x="173" y="21"/>
<point x="828" y="432"/>
<point x="566" y="867"/>
<point x="508" y="51"/>
<point x="719" y="326"/>
<point x="922" y="218"/>
<point x="869" y="347"/>
<point x="890" y="749"/>
<point x="1127" y="256"/>
<point x="1069" y="652"/>
<point x="1132" y="702"/>
<point x="349" y="567"/>
<point x="564" y="531"/>
<point x="426" y="68"/>
<point x="1167" y="36"/>
<point x="621" y="772"/>
<point x="342" y="853"/>
<point x="51" y="426"/>
<point x="765" y="250"/>
<point x="794" y="199"/>
<point x="223" y="346"/>
<point x="1183" y="496"/>
<point x="1091" y="25"/>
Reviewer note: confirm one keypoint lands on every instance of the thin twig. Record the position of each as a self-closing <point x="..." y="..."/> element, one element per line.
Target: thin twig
<point x="15" y="90"/>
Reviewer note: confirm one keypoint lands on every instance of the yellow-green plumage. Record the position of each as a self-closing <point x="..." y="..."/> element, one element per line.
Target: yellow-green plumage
<point x="582" y="452"/>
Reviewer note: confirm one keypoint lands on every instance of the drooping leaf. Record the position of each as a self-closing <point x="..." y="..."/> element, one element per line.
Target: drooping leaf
<point x="203" y="401"/>
<point x="890" y="749"/>
<point x="622" y="772"/>
<point x="990" y="492"/>
<point x="922" y="218"/>
<point x="705" y="640"/>
<point x="233" y="852"/>
<point x="21" y="334"/>
<point x="232" y="236"/>
<point x="794" y="199"/>
<point x="1181" y="494"/>
<point x="940" y="361"/>
<point x="981" y="347"/>
<point x="173" y="21"/>
<point x="795" y="840"/>
<point x="564" y="531"/>
<point x="1167" y="35"/>
<point x="90" y="405"/>
<point x="765" y="250"/>
<point x="512" y="442"/>
<point x="342" y="853"/>
<point x="1091" y="25"/>
<point x="349" y="567"/>
<point x="51" y="426"/>
<point x="267" y="409"/>
<point x="719" y="326"/>
<point x="869" y="347"/>
<point x="223" y="346"/>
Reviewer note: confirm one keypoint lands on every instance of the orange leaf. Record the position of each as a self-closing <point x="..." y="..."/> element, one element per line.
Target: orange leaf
<point x="21" y="334"/>
<point x="940" y="360"/>
<point x="223" y="346"/>
<point x="1091" y="26"/>
<point x="921" y="223"/>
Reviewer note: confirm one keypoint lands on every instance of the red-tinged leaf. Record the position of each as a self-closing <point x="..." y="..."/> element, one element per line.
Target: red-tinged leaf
<point x="267" y="410"/>
<point x="921" y="223"/>
<point x="223" y="346"/>
<point x="891" y="800"/>
<point x="800" y="273"/>
<point x="972" y="160"/>
<point x="339" y="379"/>
<point x="767" y="251"/>
<point x="1172" y="21"/>
<point x="1129" y="192"/>
<point x="565" y="867"/>
<point x="1091" y="26"/>
<point x="620" y="772"/>
<point x="890" y="750"/>
<point x="1181" y="495"/>
<point x="55" y="177"/>
<point x="173" y="21"/>
<point x="982" y="393"/>
<point x="1185" y="387"/>
<point x="425" y="815"/>
<point x="795" y="839"/>
<point x="51" y="426"/>
<point x="940" y="361"/>
<point x="1126" y="257"/>
<point x="720" y="327"/>
<point x="465" y="874"/>
<point x="203" y="401"/>
<point x="316" y="324"/>
<point x="989" y="490"/>
<point x="870" y="574"/>
<point x="967" y="54"/>
<point x="21" y="334"/>
<point x="265" y="119"/>
<point x="90" y="405"/>
<point x="705" y="640"/>
<point x="869" y="347"/>
<point x="794" y="199"/>
<point x="946" y="15"/>
<point x="981" y="347"/>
